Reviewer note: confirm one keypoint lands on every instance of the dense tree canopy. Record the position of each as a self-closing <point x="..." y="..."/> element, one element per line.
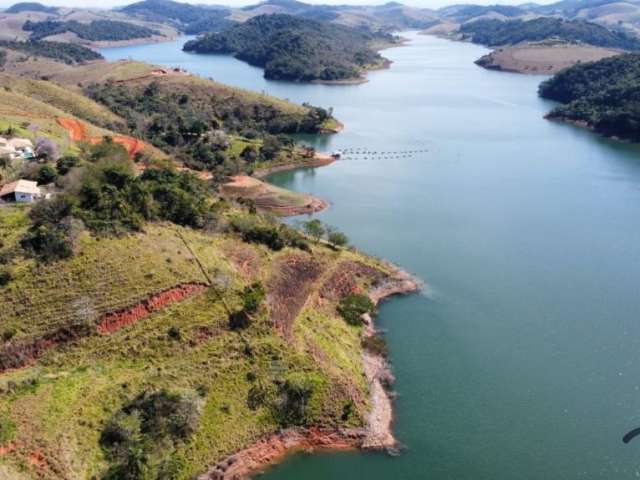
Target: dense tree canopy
<point x="96" y="30"/>
<point x="192" y="122"/>
<point x="604" y="95"/>
<point x="497" y="32"/>
<point x="64" y="52"/>
<point x="293" y="48"/>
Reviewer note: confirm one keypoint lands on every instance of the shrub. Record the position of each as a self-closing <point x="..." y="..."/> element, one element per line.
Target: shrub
<point x="46" y="175"/>
<point x="376" y="345"/>
<point x="257" y="396"/>
<point x="8" y="334"/>
<point x="296" y="393"/>
<point x="47" y="243"/>
<point x="239" y="320"/>
<point x="7" y="430"/>
<point x="252" y="297"/>
<point x="141" y="436"/>
<point x="337" y="238"/>
<point x="174" y="333"/>
<point x="5" y="276"/>
<point x="314" y="228"/>
<point x="66" y="163"/>
<point x="354" y="306"/>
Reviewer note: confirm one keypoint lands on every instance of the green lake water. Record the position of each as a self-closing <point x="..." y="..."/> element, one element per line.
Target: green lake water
<point x="521" y="357"/>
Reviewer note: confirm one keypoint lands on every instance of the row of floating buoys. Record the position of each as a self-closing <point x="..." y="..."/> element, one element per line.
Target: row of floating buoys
<point x="365" y="154"/>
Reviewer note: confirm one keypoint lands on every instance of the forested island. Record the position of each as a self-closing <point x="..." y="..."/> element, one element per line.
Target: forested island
<point x="97" y="30"/>
<point x="298" y="49"/>
<point x="603" y="96"/>
<point x="493" y="32"/>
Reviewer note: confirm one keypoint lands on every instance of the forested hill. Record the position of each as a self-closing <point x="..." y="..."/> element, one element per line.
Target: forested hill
<point x="603" y="95"/>
<point x="497" y="32"/>
<point x="189" y="18"/>
<point x="68" y="53"/>
<point x="293" y="48"/>
<point x="97" y="30"/>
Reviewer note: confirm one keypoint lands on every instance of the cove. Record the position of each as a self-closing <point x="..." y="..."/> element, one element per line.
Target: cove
<point x="521" y="358"/>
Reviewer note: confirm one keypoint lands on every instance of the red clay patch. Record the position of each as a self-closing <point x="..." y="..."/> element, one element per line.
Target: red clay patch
<point x="113" y="322"/>
<point x="18" y="355"/>
<point x="78" y="133"/>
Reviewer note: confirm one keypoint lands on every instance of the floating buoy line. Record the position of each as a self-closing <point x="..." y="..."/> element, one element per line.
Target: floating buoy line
<point x="363" y="153"/>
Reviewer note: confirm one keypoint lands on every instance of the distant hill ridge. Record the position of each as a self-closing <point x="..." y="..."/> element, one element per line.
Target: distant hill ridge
<point x="30" y="7"/>
<point x="512" y="32"/>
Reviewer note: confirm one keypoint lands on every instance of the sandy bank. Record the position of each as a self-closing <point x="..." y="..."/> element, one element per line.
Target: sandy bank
<point x="543" y="59"/>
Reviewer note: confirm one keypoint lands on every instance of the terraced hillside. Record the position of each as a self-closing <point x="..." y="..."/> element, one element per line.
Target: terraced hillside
<point x="73" y="375"/>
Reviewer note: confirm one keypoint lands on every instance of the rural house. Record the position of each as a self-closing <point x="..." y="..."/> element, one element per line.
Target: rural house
<point x="21" y="191"/>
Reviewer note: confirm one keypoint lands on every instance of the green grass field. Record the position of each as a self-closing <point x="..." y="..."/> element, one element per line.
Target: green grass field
<point x="74" y="389"/>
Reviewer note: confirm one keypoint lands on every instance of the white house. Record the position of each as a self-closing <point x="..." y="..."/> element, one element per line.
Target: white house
<point x="21" y="191"/>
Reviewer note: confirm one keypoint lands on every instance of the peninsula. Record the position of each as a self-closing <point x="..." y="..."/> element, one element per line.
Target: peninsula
<point x="297" y="49"/>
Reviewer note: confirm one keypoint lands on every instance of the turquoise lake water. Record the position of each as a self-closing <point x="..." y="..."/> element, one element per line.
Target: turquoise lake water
<point x="521" y="358"/>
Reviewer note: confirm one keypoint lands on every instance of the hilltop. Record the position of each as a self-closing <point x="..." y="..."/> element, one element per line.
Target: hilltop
<point x="88" y="27"/>
<point x="292" y="48"/>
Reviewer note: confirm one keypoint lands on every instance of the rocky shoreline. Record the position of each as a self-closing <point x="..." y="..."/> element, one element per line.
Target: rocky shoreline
<point x="377" y="435"/>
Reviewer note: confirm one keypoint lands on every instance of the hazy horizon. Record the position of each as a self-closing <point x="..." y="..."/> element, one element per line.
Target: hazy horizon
<point x="241" y="3"/>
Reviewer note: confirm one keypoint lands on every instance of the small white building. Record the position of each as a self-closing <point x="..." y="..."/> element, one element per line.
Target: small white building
<point x="16" y="148"/>
<point x="21" y="191"/>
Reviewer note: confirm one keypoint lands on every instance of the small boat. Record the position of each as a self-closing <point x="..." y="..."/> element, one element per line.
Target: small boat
<point x="337" y="154"/>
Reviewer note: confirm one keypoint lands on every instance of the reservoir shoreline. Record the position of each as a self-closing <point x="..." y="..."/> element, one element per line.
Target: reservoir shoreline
<point x="524" y="347"/>
<point x="273" y="448"/>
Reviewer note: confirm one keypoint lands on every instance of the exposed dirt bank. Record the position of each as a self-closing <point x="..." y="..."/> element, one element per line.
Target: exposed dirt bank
<point x="78" y="133"/>
<point x="128" y="316"/>
<point x="270" y="198"/>
<point x="273" y="448"/>
<point x="542" y="59"/>
<point x="319" y="160"/>
<point x="14" y="355"/>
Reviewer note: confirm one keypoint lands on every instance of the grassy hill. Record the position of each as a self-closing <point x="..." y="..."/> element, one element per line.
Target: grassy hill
<point x="202" y="124"/>
<point x="30" y="7"/>
<point x="603" y="96"/>
<point x="149" y="326"/>
<point x="292" y="48"/>
<point x="76" y="388"/>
